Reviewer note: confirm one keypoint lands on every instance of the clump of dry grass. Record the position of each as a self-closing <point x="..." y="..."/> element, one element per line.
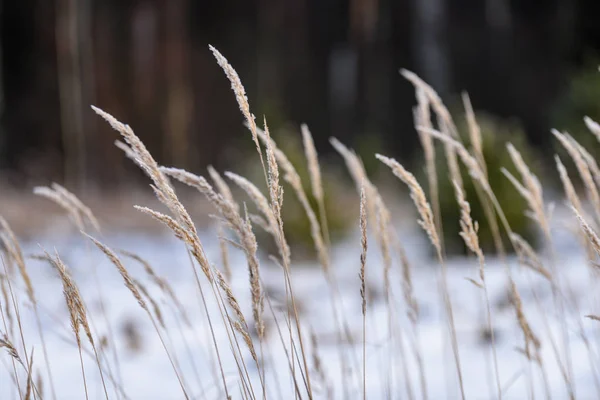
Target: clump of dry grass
<point x="77" y="313"/>
<point x="433" y="121"/>
<point x="13" y="250"/>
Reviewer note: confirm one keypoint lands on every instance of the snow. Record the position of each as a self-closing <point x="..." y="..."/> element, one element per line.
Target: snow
<point x="147" y="373"/>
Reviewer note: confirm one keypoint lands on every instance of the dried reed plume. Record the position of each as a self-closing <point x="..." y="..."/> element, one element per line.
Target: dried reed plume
<point x="10" y="348"/>
<point x="468" y="231"/>
<point x="469" y="228"/>
<point x="444" y="116"/>
<point x="122" y="270"/>
<point x="363" y="264"/>
<point x="575" y="202"/>
<point x="418" y="196"/>
<point x="444" y="120"/>
<point x="77" y="312"/>
<point x="422" y="117"/>
<point x="312" y="159"/>
<point x="468" y="160"/>
<point x="379" y="212"/>
<point x="363" y="246"/>
<point x="85" y="212"/>
<point x="78" y="212"/>
<point x="582" y="167"/>
<point x="530" y="189"/>
<point x="75" y="304"/>
<point x="474" y="132"/>
<point x="588" y="231"/>
<point x="532" y="343"/>
<point x="240" y="96"/>
<point x="590" y="160"/>
<point x="59" y="199"/>
<point x="593" y="126"/>
<point x="7" y="309"/>
<point x="567" y="184"/>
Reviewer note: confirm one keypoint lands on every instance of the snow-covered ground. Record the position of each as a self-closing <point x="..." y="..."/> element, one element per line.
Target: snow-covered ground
<point x="147" y="373"/>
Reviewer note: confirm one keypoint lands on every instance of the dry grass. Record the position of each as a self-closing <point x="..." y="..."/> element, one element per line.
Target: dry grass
<point x="248" y="341"/>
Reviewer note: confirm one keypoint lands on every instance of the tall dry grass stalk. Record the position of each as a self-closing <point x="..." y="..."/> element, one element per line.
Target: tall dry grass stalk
<point x="444" y="121"/>
<point x="474" y="132"/>
<point x="530" y="189"/>
<point x="426" y="222"/>
<point x="129" y="284"/>
<point x="575" y="201"/>
<point x="477" y="148"/>
<point x="583" y="168"/>
<point x="240" y="96"/>
<point x="468" y="232"/>
<point x="276" y="195"/>
<point x="387" y="239"/>
<point x="588" y="231"/>
<point x="77" y="313"/>
<point x="363" y="288"/>
<point x="593" y="126"/>
<point x="422" y="117"/>
<point x="312" y="159"/>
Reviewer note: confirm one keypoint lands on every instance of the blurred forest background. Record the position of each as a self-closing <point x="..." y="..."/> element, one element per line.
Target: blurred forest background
<point x="330" y="63"/>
